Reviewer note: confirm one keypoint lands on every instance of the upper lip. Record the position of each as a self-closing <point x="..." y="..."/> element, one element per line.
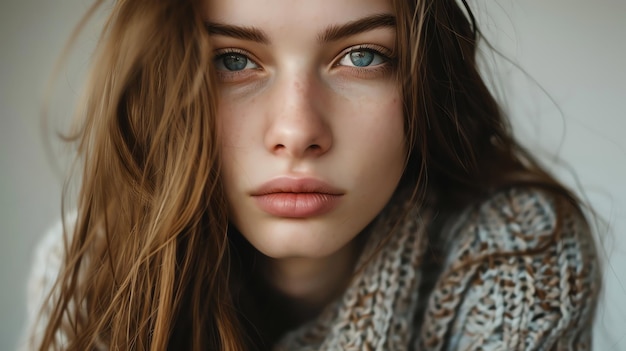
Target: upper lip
<point x="296" y="185"/>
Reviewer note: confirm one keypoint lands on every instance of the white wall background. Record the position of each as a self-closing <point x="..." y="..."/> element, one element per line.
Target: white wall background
<point x="574" y="49"/>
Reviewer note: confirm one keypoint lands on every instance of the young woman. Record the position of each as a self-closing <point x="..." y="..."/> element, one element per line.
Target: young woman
<point x="308" y="175"/>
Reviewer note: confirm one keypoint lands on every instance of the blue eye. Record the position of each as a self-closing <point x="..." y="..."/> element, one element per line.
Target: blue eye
<point x="362" y="58"/>
<point x="233" y="61"/>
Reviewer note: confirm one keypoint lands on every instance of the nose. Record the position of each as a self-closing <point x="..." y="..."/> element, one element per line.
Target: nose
<point x="298" y="127"/>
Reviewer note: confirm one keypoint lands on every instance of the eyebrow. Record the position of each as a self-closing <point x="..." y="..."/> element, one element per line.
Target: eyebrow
<point x="238" y="32"/>
<point x="337" y="32"/>
<point x="330" y="34"/>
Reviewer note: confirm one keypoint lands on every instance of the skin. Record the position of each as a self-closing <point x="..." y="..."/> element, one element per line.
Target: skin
<point x="299" y="108"/>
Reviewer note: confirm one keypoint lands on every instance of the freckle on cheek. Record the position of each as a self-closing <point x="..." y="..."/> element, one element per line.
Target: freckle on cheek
<point x="393" y="103"/>
<point x="297" y="87"/>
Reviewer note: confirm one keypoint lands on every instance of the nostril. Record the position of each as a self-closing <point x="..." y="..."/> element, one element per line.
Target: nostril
<point x="295" y="151"/>
<point x="314" y="149"/>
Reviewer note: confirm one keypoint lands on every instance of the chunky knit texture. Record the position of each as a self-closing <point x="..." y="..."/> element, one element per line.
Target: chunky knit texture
<point x="508" y="276"/>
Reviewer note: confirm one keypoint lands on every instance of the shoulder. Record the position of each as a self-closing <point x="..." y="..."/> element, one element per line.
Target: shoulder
<point x="518" y="220"/>
<point x="47" y="260"/>
<point x="47" y="263"/>
<point x="520" y="274"/>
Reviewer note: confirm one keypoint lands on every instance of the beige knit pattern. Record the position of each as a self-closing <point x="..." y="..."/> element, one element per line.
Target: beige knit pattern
<point x="513" y="280"/>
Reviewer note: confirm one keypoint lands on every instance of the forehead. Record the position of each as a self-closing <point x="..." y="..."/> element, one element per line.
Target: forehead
<point x="289" y="15"/>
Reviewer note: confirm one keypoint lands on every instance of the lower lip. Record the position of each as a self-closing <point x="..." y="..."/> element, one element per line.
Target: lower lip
<point x="297" y="205"/>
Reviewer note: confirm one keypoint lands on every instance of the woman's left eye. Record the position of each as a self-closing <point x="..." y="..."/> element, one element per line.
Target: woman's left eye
<point x="233" y="62"/>
<point x="362" y="58"/>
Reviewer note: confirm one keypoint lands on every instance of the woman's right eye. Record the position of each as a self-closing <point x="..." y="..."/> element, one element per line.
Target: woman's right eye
<point x="234" y="62"/>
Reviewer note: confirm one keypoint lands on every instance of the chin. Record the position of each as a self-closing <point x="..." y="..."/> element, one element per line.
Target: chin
<point x="298" y="238"/>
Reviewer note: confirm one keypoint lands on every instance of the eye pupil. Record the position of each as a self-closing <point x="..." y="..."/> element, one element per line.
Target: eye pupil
<point x="235" y="62"/>
<point x="361" y="58"/>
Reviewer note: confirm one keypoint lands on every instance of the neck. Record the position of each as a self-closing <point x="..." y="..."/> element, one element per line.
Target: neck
<point x="307" y="285"/>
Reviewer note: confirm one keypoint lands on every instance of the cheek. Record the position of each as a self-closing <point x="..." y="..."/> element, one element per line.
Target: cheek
<point x="389" y="139"/>
<point x="239" y="125"/>
<point x="382" y="122"/>
<point x="235" y="142"/>
<point x="229" y="124"/>
<point x="372" y="144"/>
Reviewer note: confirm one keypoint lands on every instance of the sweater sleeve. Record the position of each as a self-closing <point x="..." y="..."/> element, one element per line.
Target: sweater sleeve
<point x="522" y="274"/>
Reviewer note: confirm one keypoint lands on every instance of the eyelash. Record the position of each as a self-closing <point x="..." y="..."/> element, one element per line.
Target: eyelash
<point x="368" y="71"/>
<point x="375" y="49"/>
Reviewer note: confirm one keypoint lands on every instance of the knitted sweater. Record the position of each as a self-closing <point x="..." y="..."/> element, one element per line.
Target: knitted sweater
<point x="504" y="275"/>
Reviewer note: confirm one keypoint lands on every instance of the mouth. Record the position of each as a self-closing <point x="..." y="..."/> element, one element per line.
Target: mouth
<point x="297" y="198"/>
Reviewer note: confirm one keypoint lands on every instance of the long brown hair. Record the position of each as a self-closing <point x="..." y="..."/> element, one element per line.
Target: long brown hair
<point x="147" y="263"/>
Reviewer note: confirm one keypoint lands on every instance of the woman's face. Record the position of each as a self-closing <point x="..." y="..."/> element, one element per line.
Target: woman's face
<point x="310" y="119"/>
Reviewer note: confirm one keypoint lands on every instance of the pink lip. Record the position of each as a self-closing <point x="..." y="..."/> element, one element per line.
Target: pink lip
<point x="297" y="197"/>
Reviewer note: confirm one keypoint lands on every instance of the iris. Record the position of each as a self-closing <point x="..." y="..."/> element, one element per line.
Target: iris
<point x="361" y="58"/>
<point x="234" y="62"/>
